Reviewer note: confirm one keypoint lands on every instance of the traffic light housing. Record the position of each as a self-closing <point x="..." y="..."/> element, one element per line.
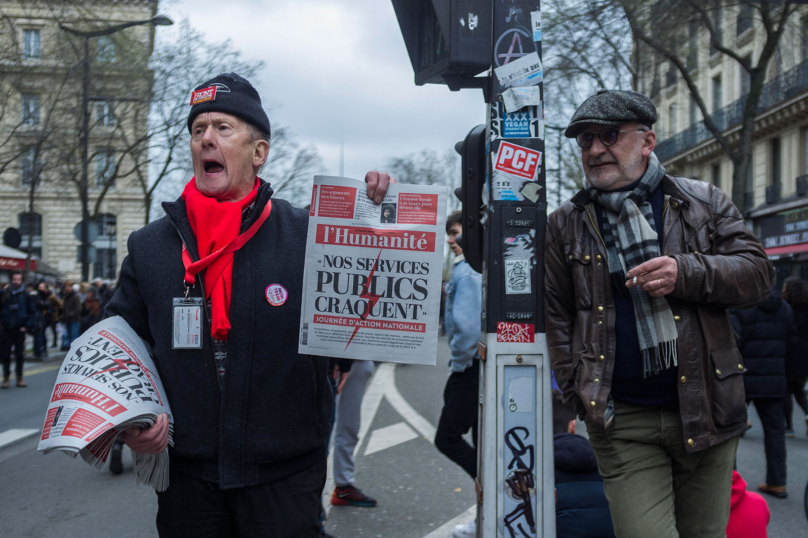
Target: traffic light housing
<point x="448" y="41"/>
<point x="470" y="193"/>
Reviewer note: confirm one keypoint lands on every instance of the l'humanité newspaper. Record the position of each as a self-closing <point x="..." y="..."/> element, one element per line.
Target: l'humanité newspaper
<point x="373" y="272"/>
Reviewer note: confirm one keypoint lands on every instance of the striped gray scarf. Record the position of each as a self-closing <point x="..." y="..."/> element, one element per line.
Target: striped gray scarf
<point x="631" y="239"/>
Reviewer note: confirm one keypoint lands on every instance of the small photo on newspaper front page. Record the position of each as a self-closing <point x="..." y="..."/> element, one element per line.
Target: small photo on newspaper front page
<point x="373" y="272"/>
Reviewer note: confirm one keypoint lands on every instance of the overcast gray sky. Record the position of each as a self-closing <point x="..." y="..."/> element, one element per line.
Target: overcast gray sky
<point x="338" y="69"/>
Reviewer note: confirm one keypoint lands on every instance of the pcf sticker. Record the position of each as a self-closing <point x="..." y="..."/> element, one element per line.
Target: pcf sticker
<point x="517" y="160"/>
<point x="276" y="294"/>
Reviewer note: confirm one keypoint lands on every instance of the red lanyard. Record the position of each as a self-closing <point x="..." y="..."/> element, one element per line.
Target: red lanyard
<point x="193" y="268"/>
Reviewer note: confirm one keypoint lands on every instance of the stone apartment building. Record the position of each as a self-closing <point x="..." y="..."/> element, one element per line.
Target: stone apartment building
<point x="41" y="74"/>
<point x="777" y="206"/>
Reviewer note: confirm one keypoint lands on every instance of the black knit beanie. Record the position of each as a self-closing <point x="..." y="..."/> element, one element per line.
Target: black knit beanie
<point x="231" y="94"/>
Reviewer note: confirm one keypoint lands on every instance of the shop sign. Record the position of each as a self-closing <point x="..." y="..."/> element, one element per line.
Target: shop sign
<point x="784" y="229"/>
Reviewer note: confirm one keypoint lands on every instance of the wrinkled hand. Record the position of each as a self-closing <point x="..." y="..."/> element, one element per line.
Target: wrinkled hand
<point x="657" y="277"/>
<point x="152" y="440"/>
<point x="377" y="185"/>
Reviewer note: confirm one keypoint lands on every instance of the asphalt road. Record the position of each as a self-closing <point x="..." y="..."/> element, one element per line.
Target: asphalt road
<point x="420" y="492"/>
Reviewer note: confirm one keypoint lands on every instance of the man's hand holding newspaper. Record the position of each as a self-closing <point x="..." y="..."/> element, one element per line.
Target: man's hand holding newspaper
<point x="152" y="440"/>
<point x="108" y="387"/>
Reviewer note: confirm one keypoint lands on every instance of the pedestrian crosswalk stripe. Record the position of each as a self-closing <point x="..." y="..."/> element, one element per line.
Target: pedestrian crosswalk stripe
<point x="446" y="530"/>
<point x="389" y="437"/>
<point x="10" y="437"/>
<point x="43" y="369"/>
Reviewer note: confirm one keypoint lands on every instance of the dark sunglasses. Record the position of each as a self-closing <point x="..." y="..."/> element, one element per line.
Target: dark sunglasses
<point x="607" y="137"/>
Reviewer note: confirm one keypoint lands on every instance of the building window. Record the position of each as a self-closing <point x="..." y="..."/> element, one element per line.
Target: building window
<point x="717" y="94"/>
<point x="804" y="39"/>
<point x="29" y="166"/>
<point x="719" y="34"/>
<point x="103" y="114"/>
<point x="106" y="247"/>
<point x="693" y="47"/>
<point x="672" y="130"/>
<point x="775" y="156"/>
<point x="105" y="50"/>
<point x="715" y="175"/>
<point x="655" y="84"/>
<point x="670" y="75"/>
<point x="105" y="167"/>
<point x="743" y="21"/>
<point x="30" y="109"/>
<point x="30" y="44"/>
<point x="30" y="226"/>
<point x="694" y="110"/>
<point x="746" y="77"/>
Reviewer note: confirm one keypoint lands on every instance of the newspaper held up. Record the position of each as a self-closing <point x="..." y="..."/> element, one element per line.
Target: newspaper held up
<point x="106" y="384"/>
<point x="372" y="283"/>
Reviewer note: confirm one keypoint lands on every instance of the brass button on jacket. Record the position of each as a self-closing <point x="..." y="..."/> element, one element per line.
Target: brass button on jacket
<point x="683" y="379"/>
<point x="677" y="318"/>
<point x="691" y="442"/>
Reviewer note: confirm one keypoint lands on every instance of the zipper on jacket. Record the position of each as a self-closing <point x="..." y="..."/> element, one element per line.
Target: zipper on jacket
<point x="597" y="231"/>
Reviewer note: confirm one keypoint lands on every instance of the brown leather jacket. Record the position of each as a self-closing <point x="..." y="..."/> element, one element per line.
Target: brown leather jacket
<point x="721" y="265"/>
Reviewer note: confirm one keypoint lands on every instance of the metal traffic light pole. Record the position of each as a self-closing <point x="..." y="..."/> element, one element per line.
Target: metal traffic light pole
<point x="515" y="466"/>
<point x="504" y="199"/>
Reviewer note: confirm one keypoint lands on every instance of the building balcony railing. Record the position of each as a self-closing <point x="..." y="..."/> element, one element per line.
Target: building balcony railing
<point x="787" y="85"/>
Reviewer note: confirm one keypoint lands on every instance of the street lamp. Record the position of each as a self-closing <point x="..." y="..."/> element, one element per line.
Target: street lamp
<point x="157" y="20"/>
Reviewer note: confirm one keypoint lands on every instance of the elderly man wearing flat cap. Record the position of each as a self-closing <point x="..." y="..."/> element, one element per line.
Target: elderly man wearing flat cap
<point x="250" y="415"/>
<point x="641" y="268"/>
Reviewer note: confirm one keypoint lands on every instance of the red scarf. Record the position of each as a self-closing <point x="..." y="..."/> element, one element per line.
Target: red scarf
<point x="215" y="225"/>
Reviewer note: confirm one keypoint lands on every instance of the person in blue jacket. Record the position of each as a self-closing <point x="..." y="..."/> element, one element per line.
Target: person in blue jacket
<point x="462" y="319"/>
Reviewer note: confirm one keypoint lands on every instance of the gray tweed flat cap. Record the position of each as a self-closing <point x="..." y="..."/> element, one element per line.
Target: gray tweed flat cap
<point x="612" y="108"/>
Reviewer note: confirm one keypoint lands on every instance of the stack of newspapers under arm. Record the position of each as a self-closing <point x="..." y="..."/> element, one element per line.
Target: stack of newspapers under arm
<point x="106" y="384"/>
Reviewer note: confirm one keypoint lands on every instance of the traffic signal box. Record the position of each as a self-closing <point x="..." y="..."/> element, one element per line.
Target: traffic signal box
<point x="504" y="215"/>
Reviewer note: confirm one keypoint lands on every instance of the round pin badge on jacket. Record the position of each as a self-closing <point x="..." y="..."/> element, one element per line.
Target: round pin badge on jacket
<point x="276" y="294"/>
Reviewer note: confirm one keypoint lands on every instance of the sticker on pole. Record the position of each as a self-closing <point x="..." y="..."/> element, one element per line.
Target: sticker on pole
<point x="535" y="23"/>
<point x="525" y="123"/>
<point x="526" y="71"/>
<point x="517" y="276"/>
<point x="518" y="160"/>
<point x="518" y="333"/>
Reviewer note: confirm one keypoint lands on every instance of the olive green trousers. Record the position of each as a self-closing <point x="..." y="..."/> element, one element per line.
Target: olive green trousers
<point x="654" y="487"/>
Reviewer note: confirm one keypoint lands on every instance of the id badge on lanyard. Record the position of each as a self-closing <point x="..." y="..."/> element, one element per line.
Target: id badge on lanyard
<point x="187" y="332"/>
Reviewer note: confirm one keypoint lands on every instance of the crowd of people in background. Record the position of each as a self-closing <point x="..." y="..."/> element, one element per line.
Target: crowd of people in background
<point x="43" y="309"/>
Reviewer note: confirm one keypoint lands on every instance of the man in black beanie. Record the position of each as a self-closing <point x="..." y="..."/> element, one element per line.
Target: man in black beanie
<point x="251" y="415"/>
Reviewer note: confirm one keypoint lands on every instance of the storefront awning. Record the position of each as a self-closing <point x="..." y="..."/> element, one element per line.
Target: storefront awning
<point x="13" y="259"/>
<point x="788" y="249"/>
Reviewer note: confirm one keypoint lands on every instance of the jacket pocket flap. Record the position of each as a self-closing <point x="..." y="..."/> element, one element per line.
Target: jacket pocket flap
<point x="579" y="252"/>
<point x="701" y="240"/>
<point x="727" y="362"/>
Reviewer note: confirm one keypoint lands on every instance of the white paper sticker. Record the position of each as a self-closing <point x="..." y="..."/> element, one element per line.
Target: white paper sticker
<point x="517" y="98"/>
<point x="535" y="24"/>
<point x="526" y="71"/>
<point x="520" y="395"/>
<point x="517" y="276"/>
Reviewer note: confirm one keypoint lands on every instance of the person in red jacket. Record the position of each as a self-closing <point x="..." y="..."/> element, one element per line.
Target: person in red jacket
<point x="749" y="514"/>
